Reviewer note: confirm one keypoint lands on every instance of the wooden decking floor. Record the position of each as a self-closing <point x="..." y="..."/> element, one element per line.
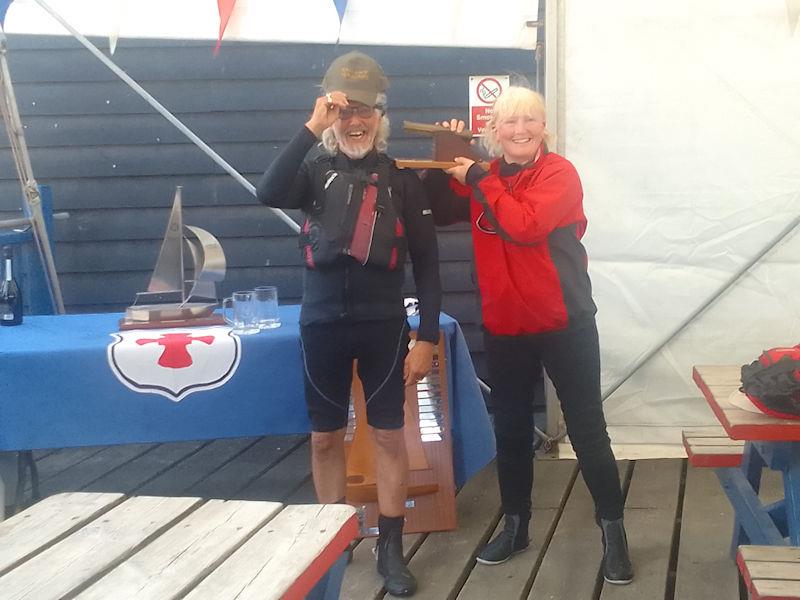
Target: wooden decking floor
<point x="678" y="519"/>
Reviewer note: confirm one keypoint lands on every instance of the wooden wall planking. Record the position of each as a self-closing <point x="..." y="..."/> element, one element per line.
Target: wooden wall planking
<point x="113" y="163"/>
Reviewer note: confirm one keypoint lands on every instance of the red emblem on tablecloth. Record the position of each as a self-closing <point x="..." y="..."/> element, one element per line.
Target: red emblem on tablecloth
<point x="174" y="363"/>
<point x="175" y="355"/>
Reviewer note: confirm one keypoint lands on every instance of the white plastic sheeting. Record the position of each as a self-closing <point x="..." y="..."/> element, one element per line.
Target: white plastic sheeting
<point x="385" y="22"/>
<point x="683" y="119"/>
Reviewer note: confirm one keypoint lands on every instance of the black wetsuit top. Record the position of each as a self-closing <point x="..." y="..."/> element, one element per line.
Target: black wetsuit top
<point x="346" y="288"/>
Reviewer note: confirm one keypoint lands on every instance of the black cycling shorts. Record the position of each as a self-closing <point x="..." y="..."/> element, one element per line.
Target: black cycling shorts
<point x="328" y="353"/>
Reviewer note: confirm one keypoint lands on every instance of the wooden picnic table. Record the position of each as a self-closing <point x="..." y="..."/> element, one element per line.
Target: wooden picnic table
<point x="108" y="545"/>
<point x="770" y="442"/>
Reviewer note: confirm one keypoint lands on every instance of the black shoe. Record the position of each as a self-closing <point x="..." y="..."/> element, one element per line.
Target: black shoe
<point x="510" y="541"/>
<point x="617" y="568"/>
<point x="397" y="579"/>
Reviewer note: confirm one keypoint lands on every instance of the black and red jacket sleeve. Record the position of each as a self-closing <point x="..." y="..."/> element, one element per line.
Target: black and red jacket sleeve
<point x="528" y="214"/>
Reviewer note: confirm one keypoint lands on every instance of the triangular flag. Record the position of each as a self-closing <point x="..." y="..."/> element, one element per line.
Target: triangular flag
<point x="793" y="14"/>
<point x="341" y="6"/>
<point x="225" y="10"/>
<point x="118" y="11"/>
<point x="4" y="4"/>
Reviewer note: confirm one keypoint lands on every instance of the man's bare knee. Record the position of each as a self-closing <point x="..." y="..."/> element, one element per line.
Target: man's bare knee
<point x="327" y="442"/>
<point x="388" y="441"/>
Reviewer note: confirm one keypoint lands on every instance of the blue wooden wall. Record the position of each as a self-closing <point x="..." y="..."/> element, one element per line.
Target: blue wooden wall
<point x="113" y="162"/>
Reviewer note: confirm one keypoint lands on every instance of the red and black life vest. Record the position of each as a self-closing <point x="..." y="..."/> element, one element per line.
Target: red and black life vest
<point x="353" y="214"/>
<point x="773" y="382"/>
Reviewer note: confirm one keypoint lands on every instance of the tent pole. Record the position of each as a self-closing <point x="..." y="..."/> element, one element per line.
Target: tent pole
<point x="554" y="98"/>
<point x="32" y="201"/>
<point x="164" y="112"/>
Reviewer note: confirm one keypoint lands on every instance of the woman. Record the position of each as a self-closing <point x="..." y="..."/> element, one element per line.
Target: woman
<point x="527" y="221"/>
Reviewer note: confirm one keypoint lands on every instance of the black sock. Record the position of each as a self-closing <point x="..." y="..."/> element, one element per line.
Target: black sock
<point x="387" y="524"/>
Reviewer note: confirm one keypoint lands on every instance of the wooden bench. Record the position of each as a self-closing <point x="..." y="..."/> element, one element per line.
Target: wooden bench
<point x="770" y="572"/>
<point x="106" y="545"/>
<point x="711" y="447"/>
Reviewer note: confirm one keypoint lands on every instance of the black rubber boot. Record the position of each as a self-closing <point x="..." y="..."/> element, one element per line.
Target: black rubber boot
<point x="510" y="541"/>
<point x="397" y="579"/>
<point x="617" y="568"/>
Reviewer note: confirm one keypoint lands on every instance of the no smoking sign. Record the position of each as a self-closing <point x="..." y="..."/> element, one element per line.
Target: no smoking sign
<point x="488" y="89"/>
<point x="483" y="91"/>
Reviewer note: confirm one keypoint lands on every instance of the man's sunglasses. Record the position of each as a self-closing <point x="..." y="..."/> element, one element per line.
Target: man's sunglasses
<point x="362" y="110"/>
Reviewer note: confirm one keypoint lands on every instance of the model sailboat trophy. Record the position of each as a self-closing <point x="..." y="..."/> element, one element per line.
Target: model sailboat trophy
<point x="167" y="303"/>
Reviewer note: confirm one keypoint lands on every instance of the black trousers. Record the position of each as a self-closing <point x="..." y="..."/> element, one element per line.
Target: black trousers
<point x="572" y="361"/>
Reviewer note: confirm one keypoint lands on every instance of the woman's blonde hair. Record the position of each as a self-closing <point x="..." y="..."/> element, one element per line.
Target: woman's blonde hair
<point x="514" y="100"/>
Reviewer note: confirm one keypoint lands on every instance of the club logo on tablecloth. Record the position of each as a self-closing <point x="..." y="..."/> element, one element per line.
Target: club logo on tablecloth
<point x="173" y="362"/>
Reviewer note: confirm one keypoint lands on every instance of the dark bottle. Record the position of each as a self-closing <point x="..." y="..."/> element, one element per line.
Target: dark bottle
<point x="10" y="295"/>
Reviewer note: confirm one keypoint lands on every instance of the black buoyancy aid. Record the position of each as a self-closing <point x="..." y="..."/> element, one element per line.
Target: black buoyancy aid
<point x="773" y="382"/>
<point x="353" y="213"/>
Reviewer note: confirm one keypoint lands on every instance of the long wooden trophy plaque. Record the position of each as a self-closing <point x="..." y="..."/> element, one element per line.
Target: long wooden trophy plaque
<point x="430" y="504"/>
<point x="447" y="145"/>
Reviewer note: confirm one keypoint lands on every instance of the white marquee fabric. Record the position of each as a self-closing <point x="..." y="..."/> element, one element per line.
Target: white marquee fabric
<point x="683" y="119"/>
<point x="386" y="22"/>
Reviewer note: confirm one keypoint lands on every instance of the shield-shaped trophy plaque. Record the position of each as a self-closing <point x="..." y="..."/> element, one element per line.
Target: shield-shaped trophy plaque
<point x="170" y="299"/>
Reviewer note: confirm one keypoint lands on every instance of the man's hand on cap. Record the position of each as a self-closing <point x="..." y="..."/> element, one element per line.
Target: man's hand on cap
<point x="326" y="111"/>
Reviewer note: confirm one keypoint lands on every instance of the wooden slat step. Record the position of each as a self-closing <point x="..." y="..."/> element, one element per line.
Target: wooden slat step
<point x="770" y="572"/>
<point x="711" y="447"/>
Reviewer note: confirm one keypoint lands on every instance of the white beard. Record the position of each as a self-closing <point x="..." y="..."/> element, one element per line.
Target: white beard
<point x="354" y="152"/>
<point x="356" y="149"/>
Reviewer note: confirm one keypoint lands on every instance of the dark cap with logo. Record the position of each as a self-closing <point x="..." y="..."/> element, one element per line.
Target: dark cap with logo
<point x="358" y="76"/>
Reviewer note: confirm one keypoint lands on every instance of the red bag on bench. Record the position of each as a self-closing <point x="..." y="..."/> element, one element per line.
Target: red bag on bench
<point x="773" y="382"/>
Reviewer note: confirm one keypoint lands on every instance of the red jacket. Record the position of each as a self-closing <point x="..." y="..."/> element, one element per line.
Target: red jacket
<point x="526" y="231"/>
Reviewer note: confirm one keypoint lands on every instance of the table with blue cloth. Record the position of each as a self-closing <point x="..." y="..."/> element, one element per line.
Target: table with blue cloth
<point x="58" y="389"/>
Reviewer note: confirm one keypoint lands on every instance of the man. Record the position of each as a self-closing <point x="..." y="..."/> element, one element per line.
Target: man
<point x="362" y="214"/>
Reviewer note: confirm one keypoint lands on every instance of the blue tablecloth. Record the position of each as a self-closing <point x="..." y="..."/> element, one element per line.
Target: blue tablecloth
<point x="58" y="390"/>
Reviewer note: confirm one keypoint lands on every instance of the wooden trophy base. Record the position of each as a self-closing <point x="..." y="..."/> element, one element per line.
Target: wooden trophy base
<point x="422" y="163"/>
<point x="209" y="321"/>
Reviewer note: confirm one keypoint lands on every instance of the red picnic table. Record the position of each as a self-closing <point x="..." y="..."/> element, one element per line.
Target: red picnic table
<point x="765" y="537"/>
<point x="93" y="545"/>
<point x="770" y="442"/>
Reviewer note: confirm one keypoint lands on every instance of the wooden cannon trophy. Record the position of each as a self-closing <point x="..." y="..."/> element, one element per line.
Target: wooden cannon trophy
<point x="430" y="504"/>
<point x="447" y="145"/>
